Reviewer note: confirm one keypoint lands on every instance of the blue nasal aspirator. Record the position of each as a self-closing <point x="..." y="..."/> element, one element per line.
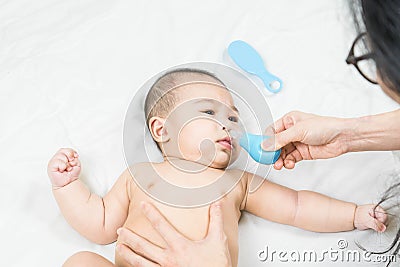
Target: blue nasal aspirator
<point x="252" y="144"/>
<point x="248" y="59"/>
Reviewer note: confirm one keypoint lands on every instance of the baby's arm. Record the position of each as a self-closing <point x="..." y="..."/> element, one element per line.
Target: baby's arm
<point x="94" y="217"/>
<point x="310" y="210"/>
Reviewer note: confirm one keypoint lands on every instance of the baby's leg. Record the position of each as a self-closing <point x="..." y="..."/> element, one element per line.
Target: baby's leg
<point x="87" y="259"/>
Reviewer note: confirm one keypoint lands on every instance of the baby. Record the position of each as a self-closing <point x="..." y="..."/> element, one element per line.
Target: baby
<point x="191" y="125"/>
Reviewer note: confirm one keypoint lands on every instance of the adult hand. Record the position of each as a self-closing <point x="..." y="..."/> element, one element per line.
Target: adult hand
<point x="180" y="251"/>
<point x="304" y="136"/>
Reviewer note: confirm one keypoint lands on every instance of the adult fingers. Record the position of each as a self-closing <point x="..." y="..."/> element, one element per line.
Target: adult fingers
<point x="279" y="125"/>
<point x="292" y="158"/>
<point x="133" y="258"/>
<point x="289" y="118"/>
<point x="140" y="245"/>
<point x="278" y="165"/>
<point x="285" y="123"/>
<point x="293" y="134"/>
<point x="216" y="225"/>
<point x="161" y="225"/>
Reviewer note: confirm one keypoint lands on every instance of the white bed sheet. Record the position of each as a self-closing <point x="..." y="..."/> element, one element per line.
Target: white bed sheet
<point x="68" y="70"/>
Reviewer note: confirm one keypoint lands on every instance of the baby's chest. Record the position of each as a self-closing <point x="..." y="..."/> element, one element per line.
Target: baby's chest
<point x="191" y="222"/>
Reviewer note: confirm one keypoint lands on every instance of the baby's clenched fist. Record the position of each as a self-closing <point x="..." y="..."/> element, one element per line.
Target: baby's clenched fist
<point x="369" y="217"/>
<point x="64" y="167"/>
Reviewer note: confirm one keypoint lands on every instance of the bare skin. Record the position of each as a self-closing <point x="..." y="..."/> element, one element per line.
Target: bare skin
<point x="305" y="136"/>
<point x="98" y="218"/>
<point x="180" y="251"/>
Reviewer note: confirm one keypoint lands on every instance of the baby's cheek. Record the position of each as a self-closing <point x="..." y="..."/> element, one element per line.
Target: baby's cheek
<point x="196" y="145"/>
<point x="235" y="155"/>
<point x="188" y="142"/>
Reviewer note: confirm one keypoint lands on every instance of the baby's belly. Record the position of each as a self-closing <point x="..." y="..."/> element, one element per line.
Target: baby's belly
<point x="192" y="223"/>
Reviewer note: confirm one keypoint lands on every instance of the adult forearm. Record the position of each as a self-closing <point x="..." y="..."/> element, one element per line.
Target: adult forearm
<point x="373" y="133"/>
<point x="320" y="213"/>
<point x="83" y="210"/>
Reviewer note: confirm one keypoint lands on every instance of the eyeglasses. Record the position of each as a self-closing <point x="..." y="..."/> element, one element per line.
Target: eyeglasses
<point x="362" y="59"/>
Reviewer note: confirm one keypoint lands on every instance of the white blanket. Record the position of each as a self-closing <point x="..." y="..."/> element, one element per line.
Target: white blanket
<point x="69" y="69"/>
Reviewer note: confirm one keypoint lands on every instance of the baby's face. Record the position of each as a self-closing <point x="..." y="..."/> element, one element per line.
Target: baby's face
<point x="199" y="126"/>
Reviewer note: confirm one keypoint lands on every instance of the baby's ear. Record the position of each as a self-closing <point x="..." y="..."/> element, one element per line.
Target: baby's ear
<point x="158" y="130"/>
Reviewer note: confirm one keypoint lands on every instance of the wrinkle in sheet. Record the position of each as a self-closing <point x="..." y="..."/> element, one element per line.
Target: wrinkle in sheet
<point x="41" y="27"/>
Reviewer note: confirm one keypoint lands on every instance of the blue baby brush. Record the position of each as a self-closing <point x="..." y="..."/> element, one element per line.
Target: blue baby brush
<point x="248" y="59"/>
<point x="252" y="144"/>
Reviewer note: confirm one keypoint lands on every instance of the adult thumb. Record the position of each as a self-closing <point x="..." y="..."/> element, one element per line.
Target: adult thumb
<point x="292" y="134"/>
<point x="216" y="226"/>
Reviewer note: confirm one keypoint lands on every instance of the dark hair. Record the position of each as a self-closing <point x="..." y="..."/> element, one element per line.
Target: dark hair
<point x="391" y="200"/>
<point x="380" y="19"/>
<point x="161" y="99"/>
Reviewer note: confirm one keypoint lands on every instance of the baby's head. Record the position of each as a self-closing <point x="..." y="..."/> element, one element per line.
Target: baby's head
<point x="189" y="114"/>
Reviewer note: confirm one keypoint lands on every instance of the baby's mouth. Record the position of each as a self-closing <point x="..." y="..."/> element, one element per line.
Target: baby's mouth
<point x="226" y="142"/>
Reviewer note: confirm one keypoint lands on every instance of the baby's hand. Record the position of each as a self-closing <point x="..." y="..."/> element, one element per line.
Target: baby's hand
<point x="366" y="218"/>
<point x="64" y="167"/>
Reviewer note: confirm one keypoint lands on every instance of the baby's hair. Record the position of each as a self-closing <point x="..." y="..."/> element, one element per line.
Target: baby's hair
<point x="161" y="99"/>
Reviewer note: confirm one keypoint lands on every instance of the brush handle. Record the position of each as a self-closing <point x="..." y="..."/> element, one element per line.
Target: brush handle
<point x="249" y="60"/>
<point x="270" y="81"/>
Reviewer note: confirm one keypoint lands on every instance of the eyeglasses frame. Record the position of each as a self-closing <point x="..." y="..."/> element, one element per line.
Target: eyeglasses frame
<point x="353" y="60"/>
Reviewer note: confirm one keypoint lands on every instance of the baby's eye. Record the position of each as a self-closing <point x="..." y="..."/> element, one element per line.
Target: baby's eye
<point x="209" y="112"/>
<point x="233" y="118"/>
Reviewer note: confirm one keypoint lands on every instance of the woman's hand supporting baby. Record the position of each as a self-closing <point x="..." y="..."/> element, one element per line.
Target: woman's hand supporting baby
<point x="99" y="218"/>
<point x="180" y="251"/>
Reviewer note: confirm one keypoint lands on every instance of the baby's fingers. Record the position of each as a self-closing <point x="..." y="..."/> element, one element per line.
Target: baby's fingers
<point x="69" y="153"/>
<point x="75" y="162"/>
<point x="380" y="214"/>
<point x="58" y="165"/>
<point x="378" y="226"/>
<point x="75" y="171"/>
<point x="375" y="221"/>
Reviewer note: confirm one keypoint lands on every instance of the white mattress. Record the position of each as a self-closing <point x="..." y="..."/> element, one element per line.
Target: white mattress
<point x="69" y="69"/>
